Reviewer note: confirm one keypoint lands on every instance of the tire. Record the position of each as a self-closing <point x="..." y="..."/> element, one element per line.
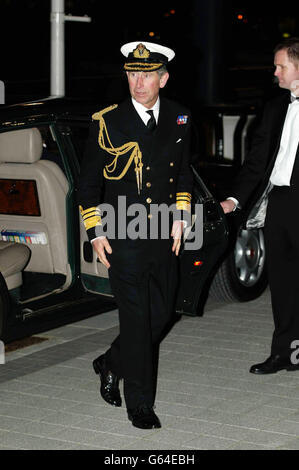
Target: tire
<point x="4" y="306"/>
<point x="242" y="275"/>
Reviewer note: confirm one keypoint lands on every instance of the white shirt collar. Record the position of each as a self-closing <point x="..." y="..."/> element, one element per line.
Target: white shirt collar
<point x="142" y="110"/>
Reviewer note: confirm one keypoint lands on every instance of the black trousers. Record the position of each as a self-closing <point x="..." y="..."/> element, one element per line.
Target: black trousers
<point x="282" y="245"/>
<point x="143" y="278"/>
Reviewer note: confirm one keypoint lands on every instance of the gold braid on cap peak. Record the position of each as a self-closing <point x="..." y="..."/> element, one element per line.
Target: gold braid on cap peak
<point x="141" y="67"/>
<point x="116" y="152"/>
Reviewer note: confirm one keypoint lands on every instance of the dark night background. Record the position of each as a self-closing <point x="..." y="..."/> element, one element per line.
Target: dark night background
<point x="223" y="47"/>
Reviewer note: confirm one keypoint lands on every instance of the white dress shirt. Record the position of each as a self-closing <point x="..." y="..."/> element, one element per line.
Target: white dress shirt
<point x="142" y="110"/>
<point x="283" y="167"/>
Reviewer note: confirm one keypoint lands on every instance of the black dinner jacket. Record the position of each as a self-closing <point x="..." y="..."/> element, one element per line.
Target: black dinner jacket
<point x="257" y="168"/>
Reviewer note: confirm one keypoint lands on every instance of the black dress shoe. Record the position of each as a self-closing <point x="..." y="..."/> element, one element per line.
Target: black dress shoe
<point x="109" y="382"/>
<point x="272" y="365"/>
<point x="143" y="417"/>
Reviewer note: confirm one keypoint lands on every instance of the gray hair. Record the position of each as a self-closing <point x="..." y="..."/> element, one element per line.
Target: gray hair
<point x="162" y="70"/>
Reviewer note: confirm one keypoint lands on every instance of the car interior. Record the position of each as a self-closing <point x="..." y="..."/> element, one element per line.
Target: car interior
<point x="13" y="259"/>
<point x="33" y="231"/>
<point x="33" y="218"/>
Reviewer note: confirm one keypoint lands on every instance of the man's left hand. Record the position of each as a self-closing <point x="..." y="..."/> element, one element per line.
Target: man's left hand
<point x="176" y="233"/>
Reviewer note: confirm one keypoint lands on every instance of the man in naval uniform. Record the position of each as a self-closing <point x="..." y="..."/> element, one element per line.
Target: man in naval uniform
<point x="138" y="150"/>
<point x="272" y="167"/>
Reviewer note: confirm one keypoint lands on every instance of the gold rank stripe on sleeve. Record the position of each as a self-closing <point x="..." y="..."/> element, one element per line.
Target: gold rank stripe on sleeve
<point x="183" y="201"/>
<point x="91" y="217"/>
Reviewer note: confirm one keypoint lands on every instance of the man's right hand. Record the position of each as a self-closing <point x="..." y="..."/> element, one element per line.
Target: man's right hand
<point x="101" y="245"/>
<point x="228" y="206"/>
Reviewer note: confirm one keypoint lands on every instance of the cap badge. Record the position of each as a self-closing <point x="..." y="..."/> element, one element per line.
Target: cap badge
<point x="141" y="52"/>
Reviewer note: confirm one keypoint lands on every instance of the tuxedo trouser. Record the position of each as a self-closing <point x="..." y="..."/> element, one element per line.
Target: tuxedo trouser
<point x="143" y="280"/>
<point x="282" y="253"/>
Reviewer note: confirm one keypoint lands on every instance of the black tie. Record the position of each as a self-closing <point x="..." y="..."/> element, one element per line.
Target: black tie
<point x="151" y="124"/>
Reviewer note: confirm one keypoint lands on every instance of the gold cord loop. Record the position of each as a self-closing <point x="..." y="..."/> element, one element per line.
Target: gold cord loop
<point x="106" y="144"/>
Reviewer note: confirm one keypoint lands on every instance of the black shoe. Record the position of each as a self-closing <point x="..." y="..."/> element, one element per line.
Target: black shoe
<point x="272" y="365"/>
<point x="109" y="382"/>
<point x="143" y="417"/>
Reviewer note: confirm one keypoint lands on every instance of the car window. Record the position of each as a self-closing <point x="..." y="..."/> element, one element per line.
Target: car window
<point x="79" y="133"/>
<point x="50" y="148"/>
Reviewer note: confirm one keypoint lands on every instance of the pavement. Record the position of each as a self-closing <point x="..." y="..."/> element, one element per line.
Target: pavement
<point x="206" y="398"/>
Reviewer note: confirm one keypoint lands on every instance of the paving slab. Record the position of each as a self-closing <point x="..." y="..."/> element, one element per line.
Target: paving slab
<point x="206" y="397"/>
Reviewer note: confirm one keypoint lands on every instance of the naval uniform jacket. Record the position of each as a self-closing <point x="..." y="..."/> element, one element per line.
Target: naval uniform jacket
<point x="166" y="176"/>
<point x="143" y="271"/>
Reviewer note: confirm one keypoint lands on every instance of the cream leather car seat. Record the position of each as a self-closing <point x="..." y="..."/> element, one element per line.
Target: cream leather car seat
<point x="13" y="259"/>
<point x="20" y="154"/>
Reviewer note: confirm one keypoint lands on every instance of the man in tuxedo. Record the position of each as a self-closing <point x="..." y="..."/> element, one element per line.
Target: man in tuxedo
<point x="138" y="150"/>
<point x="273" y="165"/>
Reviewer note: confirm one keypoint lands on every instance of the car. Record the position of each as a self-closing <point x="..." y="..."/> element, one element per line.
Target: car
<point x="49" y="273"/>
<point x="226" y="135"/>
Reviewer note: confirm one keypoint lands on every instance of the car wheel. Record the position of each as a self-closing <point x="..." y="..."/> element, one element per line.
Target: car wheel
<point x="242" y="276"/>
<point x="4" y="306"/>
